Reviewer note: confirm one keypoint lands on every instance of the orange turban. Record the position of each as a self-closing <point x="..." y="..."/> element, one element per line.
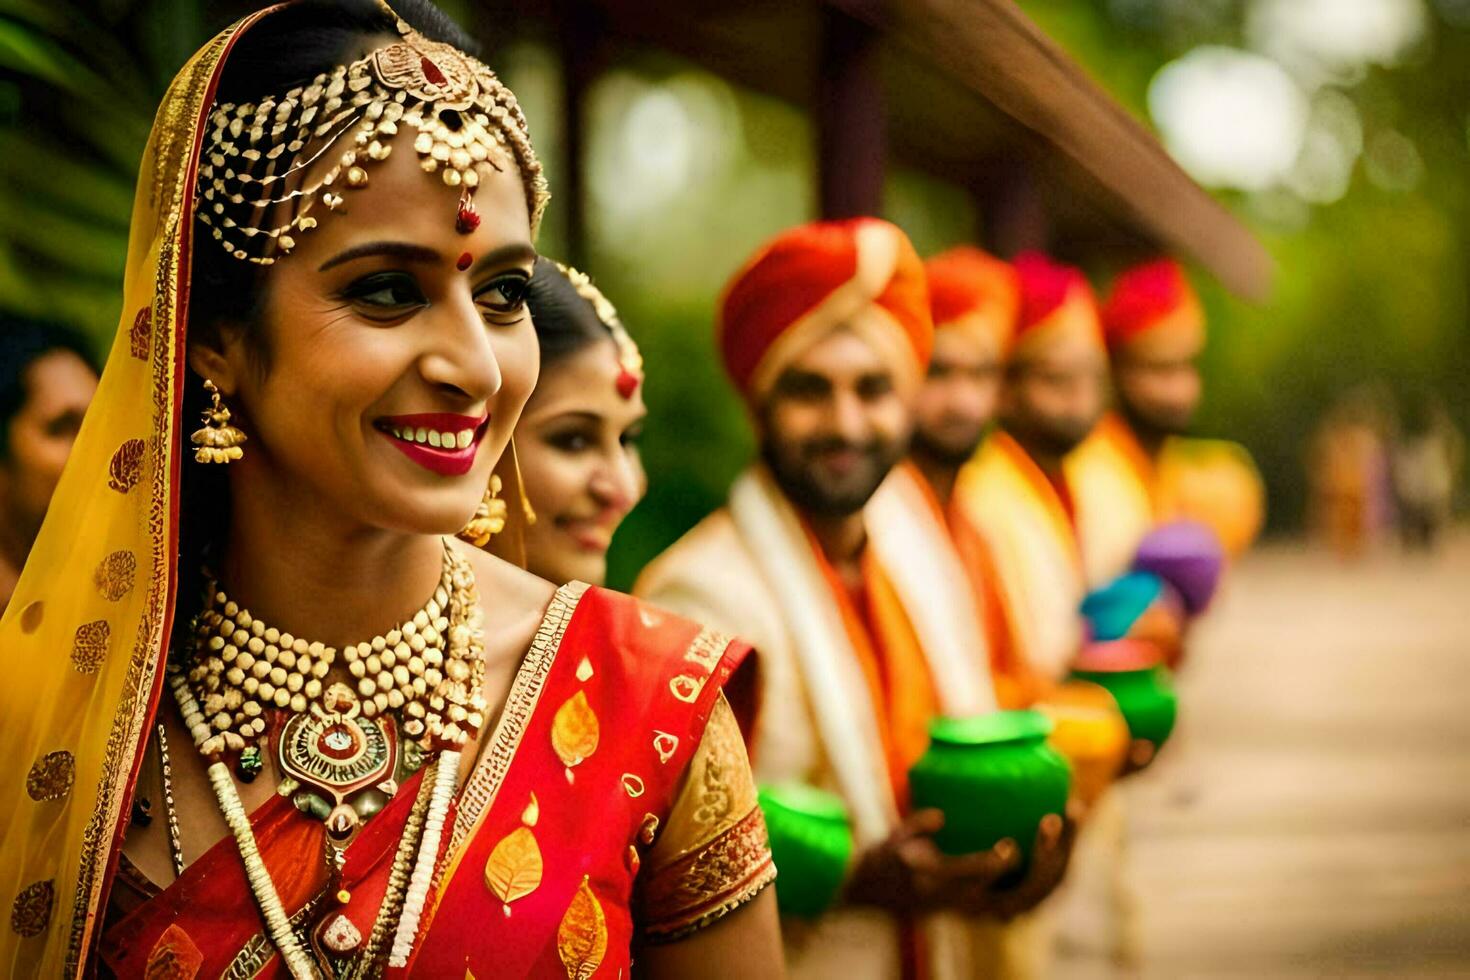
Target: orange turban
<point x="1057" y="307"/>
<point x="1153" y="311"/>
<point x="861" y="274"/>
<point x="976" y="292"/>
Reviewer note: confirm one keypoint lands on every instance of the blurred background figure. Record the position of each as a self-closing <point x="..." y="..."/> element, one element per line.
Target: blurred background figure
<point x="577" y="441"/>
<point x="1428" y="458"/>
<point x="47" y="380"/>
<point x="1348" y="474"/>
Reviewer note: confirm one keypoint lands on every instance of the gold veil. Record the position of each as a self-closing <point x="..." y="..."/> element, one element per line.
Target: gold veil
<point x="83" y="639"/>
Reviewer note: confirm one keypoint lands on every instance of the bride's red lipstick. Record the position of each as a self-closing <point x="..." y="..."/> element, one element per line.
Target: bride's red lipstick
<point x="458" y="438"/>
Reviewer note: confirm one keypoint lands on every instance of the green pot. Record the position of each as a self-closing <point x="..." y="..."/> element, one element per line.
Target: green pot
<point x="1145" y="697"/>
<point x="994" y="777"/>
<point x="811" y="843"/>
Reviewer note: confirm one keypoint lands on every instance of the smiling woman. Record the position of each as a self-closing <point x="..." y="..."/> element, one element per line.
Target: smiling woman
<point x="578" y="445"/>
<point x="286" y="659"/>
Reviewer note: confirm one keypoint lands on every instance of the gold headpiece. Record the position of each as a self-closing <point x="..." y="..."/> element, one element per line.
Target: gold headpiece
<point x="630" y="358"/>
<point x="258" y="154"/>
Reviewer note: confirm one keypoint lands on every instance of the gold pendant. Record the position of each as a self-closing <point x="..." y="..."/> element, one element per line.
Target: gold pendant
<point x="342" y="761"/>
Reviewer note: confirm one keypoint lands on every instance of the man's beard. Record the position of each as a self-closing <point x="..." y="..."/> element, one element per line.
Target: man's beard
<point x="802" y="481"/>
<point x="1053" y="438"/>
<point x="1155" y="425"/>
<point x="951" y="452"/>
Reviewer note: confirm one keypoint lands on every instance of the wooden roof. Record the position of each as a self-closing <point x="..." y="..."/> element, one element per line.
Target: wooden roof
<point x="969" y="85"/>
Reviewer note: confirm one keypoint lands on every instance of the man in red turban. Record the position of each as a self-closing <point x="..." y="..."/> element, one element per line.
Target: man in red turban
<point x="826" y="333"/>
<point x="1155" y="329"/>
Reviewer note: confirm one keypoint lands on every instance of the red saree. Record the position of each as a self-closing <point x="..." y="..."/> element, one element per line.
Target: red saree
<point x="539" y="876"/>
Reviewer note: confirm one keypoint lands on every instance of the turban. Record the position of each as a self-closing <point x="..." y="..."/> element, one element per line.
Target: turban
<point x="977" y="293"/>
<point x="1153" y="311"/>
<point x="1057" y="307"/>
<point x="861" y="274"/>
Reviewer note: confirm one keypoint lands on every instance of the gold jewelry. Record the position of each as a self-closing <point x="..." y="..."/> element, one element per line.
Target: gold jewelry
<point x="489" y="519"/>
<point x="630" y="358"/>
<point x="218" y="440"/>
<point x="245" y="669"/>
<point x="258" y="154"/>
<point x="515" y="461"/>
<point x="333" y="725"/>
<point x="170" y="811"/>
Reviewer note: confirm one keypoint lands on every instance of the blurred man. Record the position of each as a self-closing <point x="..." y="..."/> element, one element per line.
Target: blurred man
<point x="1138" y="468"/>
<point x="974" y="298"/>
<point x="826" y="334"/>
<point x="46" y="383"/>
<point x="1017" y="490"/>
<point x="1023" y="491"/>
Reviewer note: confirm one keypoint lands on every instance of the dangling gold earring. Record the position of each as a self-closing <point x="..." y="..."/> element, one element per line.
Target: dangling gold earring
<point x="526" y="508"/>
<point x="218" y="440"/>
<point x="489" y="519"/>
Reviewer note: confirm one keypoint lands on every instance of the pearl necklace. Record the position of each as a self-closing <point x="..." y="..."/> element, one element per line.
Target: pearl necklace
<point x="247" y="668"/>
<point x="340" y="747"/>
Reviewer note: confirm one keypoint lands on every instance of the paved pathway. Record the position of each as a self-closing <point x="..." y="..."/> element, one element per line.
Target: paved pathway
<point x="1312" y="818"/>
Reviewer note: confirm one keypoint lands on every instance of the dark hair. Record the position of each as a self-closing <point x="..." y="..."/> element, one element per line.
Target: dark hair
<point x="566" y="321"/>
<point x="287" y="48"/>
<point x="23" y="341"/>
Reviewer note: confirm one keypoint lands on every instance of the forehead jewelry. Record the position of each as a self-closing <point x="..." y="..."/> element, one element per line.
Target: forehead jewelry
<point x="630" y="359"/>
<point x="253" y="190"/>
<point x="464" y="261"/>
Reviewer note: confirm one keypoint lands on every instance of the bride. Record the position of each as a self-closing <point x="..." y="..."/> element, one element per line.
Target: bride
<point x="275" y="720"/>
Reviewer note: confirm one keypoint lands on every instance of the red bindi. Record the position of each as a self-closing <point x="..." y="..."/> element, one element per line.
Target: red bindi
<point x="627" y="383"/>
<point x="464" y="261"/>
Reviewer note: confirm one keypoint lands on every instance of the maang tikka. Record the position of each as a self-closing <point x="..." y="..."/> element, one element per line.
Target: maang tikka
<point x="257" y="155"/>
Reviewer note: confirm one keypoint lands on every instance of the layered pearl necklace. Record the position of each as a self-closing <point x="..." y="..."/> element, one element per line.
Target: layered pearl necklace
<point x="251" y="689"/>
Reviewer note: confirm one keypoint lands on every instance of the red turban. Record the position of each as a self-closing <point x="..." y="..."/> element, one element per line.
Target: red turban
<point x="976" y="292"/>
<point x="861" y="274"/>
<point x="1153" y="310"/>
<point x="1057" y="306"/>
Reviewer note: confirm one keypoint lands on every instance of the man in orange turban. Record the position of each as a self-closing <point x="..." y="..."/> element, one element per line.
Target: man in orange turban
<point x="1017" y="490"/>
<point x="975" y="300"/>
<point x="1155" y="328"/>
<point x="863" y="638"/>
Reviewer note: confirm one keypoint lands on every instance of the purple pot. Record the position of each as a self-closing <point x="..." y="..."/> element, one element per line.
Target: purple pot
<point x="1188" y="556"/>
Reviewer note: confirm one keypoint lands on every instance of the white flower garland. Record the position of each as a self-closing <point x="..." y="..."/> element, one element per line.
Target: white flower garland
<point x="297" y="960"/>
<point x="446" y="778"/>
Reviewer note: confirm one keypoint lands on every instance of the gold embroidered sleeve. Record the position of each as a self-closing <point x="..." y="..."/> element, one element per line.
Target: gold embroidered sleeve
<point x="713" y="855"/>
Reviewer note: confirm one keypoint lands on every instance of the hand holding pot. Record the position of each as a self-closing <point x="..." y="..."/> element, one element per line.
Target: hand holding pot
<point x="907" y="872"/>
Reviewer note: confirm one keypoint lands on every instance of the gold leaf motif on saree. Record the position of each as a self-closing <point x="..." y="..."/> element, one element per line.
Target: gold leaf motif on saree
<point x="173" y="957"/>
<point x="31" y="616"/>
<point x="31" y="910"/>
<point x="665" y="745"/>
<point x="114" y="577"/>
<point x="686" y="688"/>
<point x="140" y="337"/>
<point x="126" y="468"/>
<point x="89" y="646"/>
<point x="574" y="730"/>
<point x="514" y="867"/>
<point x="51" y="776"/>
<point x="581" y="939"/>
<point x="532" y="812"/>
